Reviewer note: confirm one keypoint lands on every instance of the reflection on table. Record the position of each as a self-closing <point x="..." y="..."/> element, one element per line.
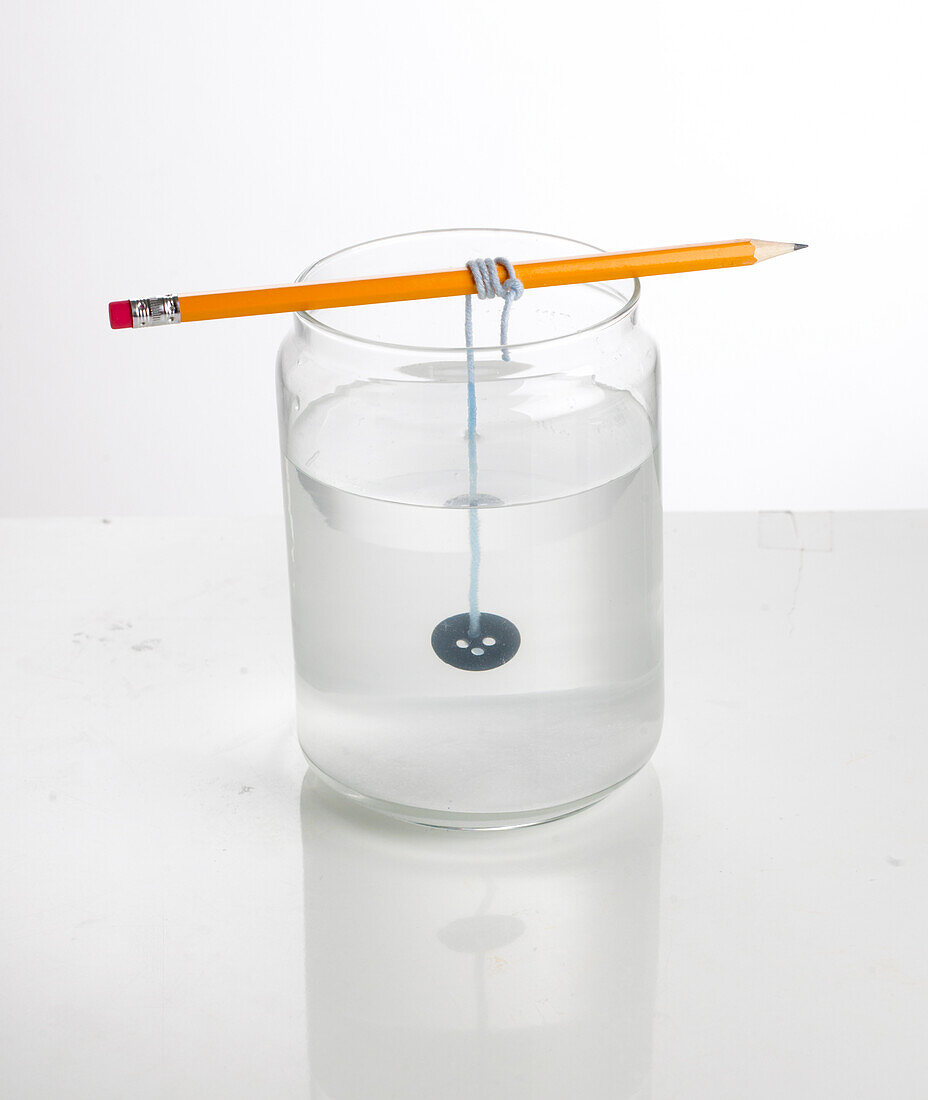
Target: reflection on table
<point x="465" y="965"/>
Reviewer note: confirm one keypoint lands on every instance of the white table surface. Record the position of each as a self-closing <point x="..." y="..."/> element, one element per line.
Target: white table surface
<point x="184" y="916"/>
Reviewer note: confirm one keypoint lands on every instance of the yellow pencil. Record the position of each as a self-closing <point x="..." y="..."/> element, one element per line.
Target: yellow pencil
<point x="174" y="309"/>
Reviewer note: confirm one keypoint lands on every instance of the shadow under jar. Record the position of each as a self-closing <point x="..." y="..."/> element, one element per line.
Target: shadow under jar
<point x="556" y="697"/>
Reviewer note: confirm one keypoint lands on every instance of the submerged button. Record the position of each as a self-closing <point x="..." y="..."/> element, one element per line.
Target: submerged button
<point x="497" y="642"/>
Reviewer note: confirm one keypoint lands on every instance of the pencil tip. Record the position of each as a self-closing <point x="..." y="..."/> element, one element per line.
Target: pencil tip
<point x="796" y="247"/>
<point x="766" y="250"/>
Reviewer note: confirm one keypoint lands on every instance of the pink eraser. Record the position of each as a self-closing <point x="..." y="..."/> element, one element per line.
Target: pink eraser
<point x="120" y="314"/>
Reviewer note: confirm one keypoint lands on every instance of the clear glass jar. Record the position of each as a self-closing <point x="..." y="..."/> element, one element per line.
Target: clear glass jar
<point x="556" y="697"/>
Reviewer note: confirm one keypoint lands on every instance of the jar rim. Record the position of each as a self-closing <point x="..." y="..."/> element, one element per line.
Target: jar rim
<point x="312" y="319"/>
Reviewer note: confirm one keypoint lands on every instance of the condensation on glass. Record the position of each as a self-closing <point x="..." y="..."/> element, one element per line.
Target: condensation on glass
<point x="373" y="423"/>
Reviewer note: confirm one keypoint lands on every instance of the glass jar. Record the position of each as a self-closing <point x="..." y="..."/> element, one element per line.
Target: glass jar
<point x="477" y="616"/>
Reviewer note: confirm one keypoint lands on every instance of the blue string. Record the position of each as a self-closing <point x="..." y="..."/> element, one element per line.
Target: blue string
<point x="488" y="285"/>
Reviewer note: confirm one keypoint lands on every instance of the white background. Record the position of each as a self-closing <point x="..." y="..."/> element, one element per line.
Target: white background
<point x="201" y="145"/>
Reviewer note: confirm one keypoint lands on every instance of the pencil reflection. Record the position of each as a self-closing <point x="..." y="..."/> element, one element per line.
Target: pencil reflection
<point x="471" y="966"/>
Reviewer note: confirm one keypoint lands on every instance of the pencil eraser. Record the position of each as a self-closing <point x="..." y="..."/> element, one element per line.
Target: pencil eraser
<point x="120" y="314"/>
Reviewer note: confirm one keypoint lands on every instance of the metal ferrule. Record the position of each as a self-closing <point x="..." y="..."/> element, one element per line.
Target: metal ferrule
<point x="148" y="312"/>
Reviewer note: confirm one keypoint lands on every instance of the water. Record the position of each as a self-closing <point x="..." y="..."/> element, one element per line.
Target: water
<point x="575" y="711"/>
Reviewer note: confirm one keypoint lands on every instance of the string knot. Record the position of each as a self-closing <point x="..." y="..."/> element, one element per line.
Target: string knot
<point x="487" y="282"/>
<point x="513" y="287"/>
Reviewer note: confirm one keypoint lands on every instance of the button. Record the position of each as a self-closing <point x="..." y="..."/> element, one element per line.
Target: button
<point x="496" y="643"/>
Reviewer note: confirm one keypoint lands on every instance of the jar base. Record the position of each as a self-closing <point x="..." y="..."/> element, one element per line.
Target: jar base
<point x="443" y="819"/>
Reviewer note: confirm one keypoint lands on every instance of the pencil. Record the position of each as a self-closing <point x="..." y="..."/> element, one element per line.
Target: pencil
<point x="174" y="309"/>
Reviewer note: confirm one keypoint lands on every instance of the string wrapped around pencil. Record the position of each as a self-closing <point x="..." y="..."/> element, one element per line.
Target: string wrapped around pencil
<point x="172" y="309"/>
